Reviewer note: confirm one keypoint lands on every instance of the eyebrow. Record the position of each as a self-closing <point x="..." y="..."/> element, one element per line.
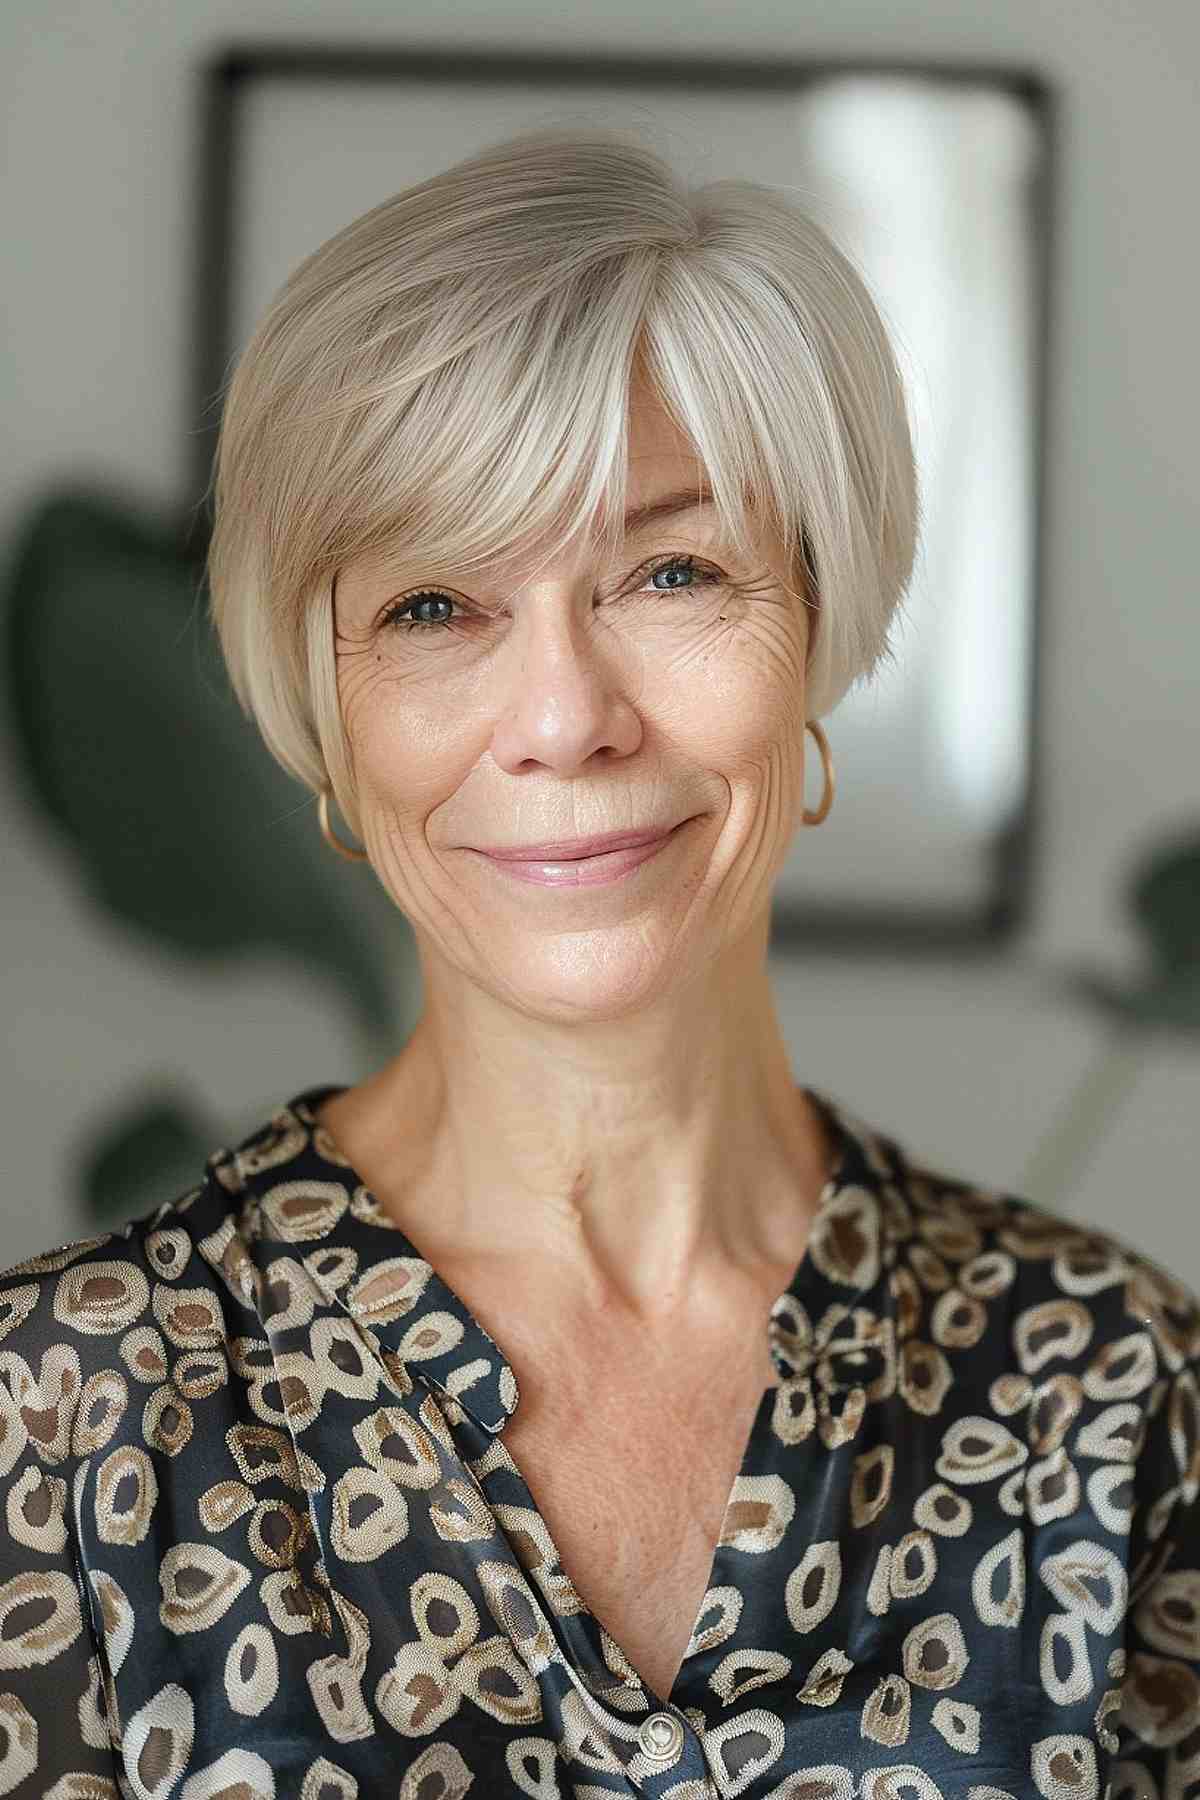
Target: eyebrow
<point x="680" y="500"/>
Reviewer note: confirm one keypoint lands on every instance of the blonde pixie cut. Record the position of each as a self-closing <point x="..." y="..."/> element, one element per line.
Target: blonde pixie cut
<point x="449" y="375"/>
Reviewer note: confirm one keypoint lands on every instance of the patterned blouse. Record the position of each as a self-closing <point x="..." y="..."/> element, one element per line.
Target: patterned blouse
<point x="263" y="1537"/>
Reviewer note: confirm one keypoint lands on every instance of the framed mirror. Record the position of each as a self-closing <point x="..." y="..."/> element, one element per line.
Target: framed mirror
<point x="936" y="181"/>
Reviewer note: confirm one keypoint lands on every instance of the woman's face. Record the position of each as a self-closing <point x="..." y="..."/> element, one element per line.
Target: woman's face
<point x="517" y="709"/>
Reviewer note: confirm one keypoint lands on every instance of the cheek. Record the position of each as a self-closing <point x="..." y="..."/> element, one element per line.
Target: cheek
<point x="743" y="693"/>
<point x="734" y="696"/>
<point x="752" y="717"/>
<point x="409" y="755"/>
<point x="361" y="685"/>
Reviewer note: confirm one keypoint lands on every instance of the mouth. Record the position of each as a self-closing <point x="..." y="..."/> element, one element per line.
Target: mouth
<point x="578" y="849"/>
<point x="611" y="864"/>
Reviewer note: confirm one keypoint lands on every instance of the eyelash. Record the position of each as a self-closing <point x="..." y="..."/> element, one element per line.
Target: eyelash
<point x="395" y="613"/>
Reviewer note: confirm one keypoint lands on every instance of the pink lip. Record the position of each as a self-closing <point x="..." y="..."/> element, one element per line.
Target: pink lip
<point x="582" y="871"/>
<point x="569" y="849"/>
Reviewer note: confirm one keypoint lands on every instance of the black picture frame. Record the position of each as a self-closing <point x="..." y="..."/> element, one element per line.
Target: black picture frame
<point x="859" y="918"/>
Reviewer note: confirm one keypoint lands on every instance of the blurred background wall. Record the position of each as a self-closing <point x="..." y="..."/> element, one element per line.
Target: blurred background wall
<point x="968" y="1062"/>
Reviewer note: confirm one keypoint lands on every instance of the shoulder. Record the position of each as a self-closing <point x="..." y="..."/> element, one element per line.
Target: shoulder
<point x="87" y="1323"/>
<point x="156" y="1309"/>
<point x="1084" y="1344"/>
<point x="1059" y="1353"/>
<point x="1064" y="1287"/>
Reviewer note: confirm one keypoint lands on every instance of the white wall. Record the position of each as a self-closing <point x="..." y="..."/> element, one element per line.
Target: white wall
<point x="968" y="1064"/>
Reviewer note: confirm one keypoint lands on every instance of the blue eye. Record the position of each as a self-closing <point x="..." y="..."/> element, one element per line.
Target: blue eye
<point x="397" y="614"/>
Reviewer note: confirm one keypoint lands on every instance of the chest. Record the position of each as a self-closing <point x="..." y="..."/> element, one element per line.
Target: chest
<point x="632" y="1480"/>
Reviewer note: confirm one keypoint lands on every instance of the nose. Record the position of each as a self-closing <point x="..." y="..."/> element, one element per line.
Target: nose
<point x="569" y="691"/>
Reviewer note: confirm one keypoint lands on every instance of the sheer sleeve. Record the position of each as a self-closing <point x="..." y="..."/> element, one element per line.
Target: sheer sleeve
<point x="1158" y="1722"/>
<point x="54" y="1740"/>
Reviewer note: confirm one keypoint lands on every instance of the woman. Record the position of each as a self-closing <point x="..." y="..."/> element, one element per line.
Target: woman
<point x="579" y="1405"/>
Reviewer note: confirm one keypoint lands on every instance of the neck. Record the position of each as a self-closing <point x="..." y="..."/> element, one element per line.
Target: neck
<point x="637" y="1163"/>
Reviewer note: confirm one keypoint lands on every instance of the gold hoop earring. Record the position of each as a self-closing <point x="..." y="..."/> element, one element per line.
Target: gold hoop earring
<point x="822" y="811"/>
<point x="334" y="842"/>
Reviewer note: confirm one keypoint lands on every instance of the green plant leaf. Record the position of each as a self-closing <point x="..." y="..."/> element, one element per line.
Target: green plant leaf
<point x="132" y="744"/>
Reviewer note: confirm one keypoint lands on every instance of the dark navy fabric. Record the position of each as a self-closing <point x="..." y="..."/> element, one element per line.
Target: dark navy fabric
<point x="263" y="1536"/>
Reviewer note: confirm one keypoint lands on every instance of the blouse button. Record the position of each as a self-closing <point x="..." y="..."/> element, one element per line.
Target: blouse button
<point x="661" y="1735"/>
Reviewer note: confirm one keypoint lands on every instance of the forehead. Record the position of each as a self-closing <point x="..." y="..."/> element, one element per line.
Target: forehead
<point x="652" y="433"/>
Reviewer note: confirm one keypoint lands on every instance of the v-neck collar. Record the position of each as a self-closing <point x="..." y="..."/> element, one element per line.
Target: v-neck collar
<point x="296" y="1195"/>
